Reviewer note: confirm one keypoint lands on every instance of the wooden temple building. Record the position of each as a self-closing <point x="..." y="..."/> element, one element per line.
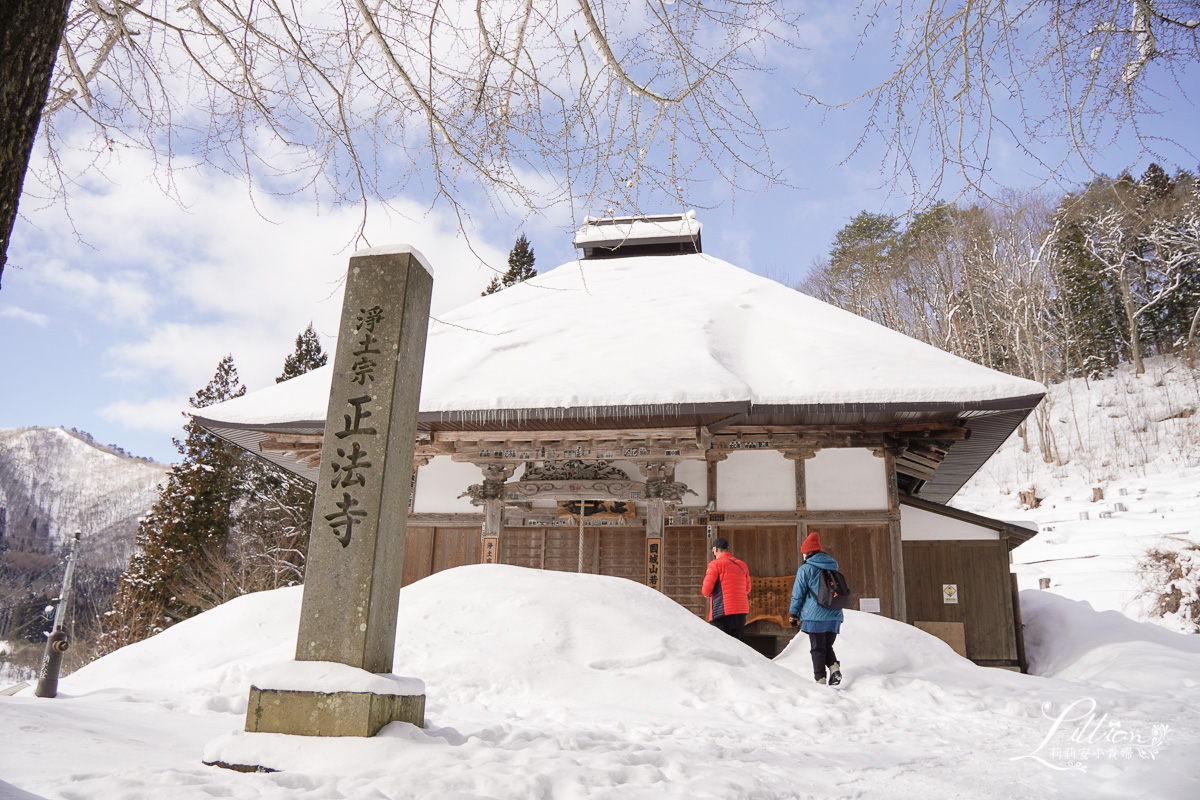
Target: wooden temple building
<point x="617" y="414"/>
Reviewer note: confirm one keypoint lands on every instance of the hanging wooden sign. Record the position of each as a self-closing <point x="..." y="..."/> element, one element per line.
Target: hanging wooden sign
<point x="654" y="563"/>
<point x="770" y="598"/>
<point x="491" y="550"/>
<point x="596" y="509"/>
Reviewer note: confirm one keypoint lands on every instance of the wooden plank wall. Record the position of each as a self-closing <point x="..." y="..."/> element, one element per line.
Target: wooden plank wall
<point x="617" y="551"/>
<point x="623" y="553"/>
<point x="607" y="550"/>
<point x="432" y="549"/>
<point x="768" y="550"/>
<point x="453" y="547"/>
<point x="981" y="572"/>
<point x="685" y="558"/>
<point x="418" y="554"/>
<point x="862" y="552"/>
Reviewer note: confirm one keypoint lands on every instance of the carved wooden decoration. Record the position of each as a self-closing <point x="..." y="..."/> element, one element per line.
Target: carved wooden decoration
<point x="770" y="598"/>
<point x="596" y="509"/>
<point x="574" y="470"/>
<point x="579" y="489"/>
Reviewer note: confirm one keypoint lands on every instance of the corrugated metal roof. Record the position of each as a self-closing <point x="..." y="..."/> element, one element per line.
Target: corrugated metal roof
<point x="966" y="457"/>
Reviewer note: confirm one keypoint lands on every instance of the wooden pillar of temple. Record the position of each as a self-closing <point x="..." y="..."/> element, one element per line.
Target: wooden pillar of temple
<point x="799" y="456"/>
<point x="656" y="510"/>
<point x="657" y="474"/>
<point x="492" y="497"/>
<point x="493" y="527"/>
<point x="711" y="458"/>
<point x="899" y="595"/>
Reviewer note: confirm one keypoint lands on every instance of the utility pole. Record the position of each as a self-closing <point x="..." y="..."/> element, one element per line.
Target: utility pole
<point x="58" y="642"/>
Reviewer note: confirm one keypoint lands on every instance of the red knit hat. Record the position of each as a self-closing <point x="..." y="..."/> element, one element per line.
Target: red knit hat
<point x="812" y="544"/>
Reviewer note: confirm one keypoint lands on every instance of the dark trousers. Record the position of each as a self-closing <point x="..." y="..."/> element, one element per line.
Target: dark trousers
<point x="731" y="624"/>
<point x="821" y="648"/>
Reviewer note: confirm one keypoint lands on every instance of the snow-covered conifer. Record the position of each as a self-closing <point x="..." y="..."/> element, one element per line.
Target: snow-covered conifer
<point x="192" y="514"/>
<point x="520" y="268"/>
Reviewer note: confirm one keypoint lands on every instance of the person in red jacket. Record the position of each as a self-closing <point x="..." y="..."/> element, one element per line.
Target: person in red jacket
<point x="727" y="585"/>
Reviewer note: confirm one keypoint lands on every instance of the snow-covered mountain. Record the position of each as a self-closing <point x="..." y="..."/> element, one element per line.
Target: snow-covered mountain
<point x="53" y="482"/>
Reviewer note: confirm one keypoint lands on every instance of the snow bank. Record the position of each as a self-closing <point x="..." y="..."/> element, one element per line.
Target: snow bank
<point x="493" y="636"/>
<point x="1069" y="639"/>
<point x="204" y="663"/>
<point x="555" y="685"/>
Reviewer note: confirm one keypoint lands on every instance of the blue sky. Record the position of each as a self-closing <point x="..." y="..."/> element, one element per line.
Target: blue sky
<point x="116" y="307"/>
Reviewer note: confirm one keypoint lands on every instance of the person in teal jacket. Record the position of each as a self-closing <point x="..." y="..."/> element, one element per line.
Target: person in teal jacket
<point x="821" y="624"/>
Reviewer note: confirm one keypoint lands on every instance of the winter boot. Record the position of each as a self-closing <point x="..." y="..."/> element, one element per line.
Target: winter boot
<point x="835" y="674"/>
<point x="821" y="681"/>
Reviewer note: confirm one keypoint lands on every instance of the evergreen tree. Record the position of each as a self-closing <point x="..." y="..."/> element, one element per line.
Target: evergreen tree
<point x="192" y="515"/>
<point x="520" y="268"/>
<point x="1091" y="303"/>
<point x="272" y="526"/>
<point x="860" y="264"/>
<point x="308" y="355"/>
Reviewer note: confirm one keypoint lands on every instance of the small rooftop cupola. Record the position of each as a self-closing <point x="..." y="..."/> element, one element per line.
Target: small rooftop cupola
<point x="657" y="235"/>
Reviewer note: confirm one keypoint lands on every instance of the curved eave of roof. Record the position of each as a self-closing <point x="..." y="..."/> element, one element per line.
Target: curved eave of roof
<point x="989" y="425"/>
<point x="682" y="413"/>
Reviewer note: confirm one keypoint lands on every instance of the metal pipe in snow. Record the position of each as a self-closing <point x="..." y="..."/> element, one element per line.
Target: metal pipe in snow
<point x="60" y="613"/>
<point x="59" y="642"/>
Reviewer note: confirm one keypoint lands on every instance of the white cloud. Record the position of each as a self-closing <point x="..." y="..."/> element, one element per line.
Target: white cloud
<point x="162" y="415"/>
<point x="167" y="291"/>
<point x="41" y="320"/>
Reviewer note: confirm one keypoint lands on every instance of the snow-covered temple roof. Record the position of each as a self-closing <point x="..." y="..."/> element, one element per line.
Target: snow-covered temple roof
<point x="684" y="337"/>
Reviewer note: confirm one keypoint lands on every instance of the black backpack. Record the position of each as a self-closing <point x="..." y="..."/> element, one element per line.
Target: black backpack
<point x="832" y="590"/>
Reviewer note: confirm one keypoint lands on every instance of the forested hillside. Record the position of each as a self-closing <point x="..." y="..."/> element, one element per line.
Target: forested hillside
<point x="1042" y="287"/>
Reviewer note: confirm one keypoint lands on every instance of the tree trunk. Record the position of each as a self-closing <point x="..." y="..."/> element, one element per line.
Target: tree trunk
<point x="1191" y="339"/>
<point x="1135" y="341"/>
<point x="30" y="31"/>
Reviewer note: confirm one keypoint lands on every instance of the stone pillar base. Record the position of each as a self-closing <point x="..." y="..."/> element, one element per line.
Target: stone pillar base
<point x="330" y="714"/>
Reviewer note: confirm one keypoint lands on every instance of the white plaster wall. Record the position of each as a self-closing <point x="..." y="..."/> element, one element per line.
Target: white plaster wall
<point x="845" y="479"/>
<point x="439" y="484"/>
<point x="918" y="525"/>
<point x="756" y="480"/>
<point x="695" y="474"/>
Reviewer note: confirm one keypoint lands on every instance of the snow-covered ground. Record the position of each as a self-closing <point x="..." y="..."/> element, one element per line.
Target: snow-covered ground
<point x="551" y="685"/>
<point x="1137" y="439"/>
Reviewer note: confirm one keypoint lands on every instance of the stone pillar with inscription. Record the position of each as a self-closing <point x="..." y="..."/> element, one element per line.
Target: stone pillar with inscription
<point x="360" y="512"/>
